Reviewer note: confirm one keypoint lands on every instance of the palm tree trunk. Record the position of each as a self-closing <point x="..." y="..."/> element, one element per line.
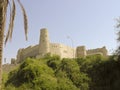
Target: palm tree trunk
<point x="3" y="7"/>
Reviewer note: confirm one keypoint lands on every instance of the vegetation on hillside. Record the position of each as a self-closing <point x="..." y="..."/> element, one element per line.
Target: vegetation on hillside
<point x="52" y="73"/>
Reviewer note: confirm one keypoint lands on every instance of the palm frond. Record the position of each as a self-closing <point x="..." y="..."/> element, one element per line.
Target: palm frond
<point x="25" y="19"/>
<point x="13" y="18"/>
<point x="11" y="24"/>
<point x="8" y="32"/>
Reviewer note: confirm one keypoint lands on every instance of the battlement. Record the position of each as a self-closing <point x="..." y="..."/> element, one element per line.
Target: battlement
<point x="64" y="51"/>
<point x="102" y="50"/>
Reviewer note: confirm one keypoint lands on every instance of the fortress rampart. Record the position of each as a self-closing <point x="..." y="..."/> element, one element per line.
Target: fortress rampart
<point x="64" y="51"/>
<point x="30" y="51"/>
<point x="102" y="51"/>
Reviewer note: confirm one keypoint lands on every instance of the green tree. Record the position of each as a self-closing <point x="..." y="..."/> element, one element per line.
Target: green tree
<point x="3" y="11"/>
<point x="118" y="39"/>
<point x="54" y="62"/>
<point x="105" y="75"/>
<point x="35" y="74"/>
<point x="69" y="68"/>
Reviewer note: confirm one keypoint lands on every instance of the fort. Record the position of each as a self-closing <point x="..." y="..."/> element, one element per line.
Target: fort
<point x="64" y="51"/>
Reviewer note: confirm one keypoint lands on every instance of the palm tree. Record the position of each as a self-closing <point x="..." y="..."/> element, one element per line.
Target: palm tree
<point x="3" y="10"/>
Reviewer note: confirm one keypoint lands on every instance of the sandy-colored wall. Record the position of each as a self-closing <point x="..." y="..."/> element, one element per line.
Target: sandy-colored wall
<point x="62" y="50"/>
<point x="44" y="44"/>
<point x="30" y="51"/>
<point x="55" y="48"/>
<point x="67" y="51"/>
<point x="81" y="51"/>
<point x="102" y="51"/>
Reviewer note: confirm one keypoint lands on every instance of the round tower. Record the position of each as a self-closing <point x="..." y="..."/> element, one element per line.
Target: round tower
<point x="44" y="42"/>
<point x="81" y="51"/>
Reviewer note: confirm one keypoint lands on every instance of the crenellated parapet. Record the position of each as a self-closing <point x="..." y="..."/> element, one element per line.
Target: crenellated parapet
<point x="102" y="51"/>
<point x="30" y="51"/>
<point x="64" y="51"/>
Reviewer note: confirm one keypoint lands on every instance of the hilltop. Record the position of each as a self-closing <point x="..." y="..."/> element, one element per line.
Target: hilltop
<point x="52" y="73"/>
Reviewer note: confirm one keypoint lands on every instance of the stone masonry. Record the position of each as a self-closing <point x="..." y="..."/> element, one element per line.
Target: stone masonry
<point x="64" y="51"/>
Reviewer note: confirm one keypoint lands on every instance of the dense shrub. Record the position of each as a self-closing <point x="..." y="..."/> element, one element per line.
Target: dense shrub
<point x="105" y="76"/>
<point x="35" y="73"/>
<point x="54" y="62"/>
<point x="70" y="69"/>
<point x="51" y="73"/>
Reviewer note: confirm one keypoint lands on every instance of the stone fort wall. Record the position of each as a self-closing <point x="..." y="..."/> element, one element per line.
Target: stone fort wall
<point x="64" y="51"/>
<point x="102" y="51"/>
<point x="55" y="49"/>
<point x="30" y="51"/>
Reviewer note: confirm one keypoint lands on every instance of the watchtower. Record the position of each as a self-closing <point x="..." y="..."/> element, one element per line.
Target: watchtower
<point x="80" y="51"/>
<point x="44" y="45"/>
